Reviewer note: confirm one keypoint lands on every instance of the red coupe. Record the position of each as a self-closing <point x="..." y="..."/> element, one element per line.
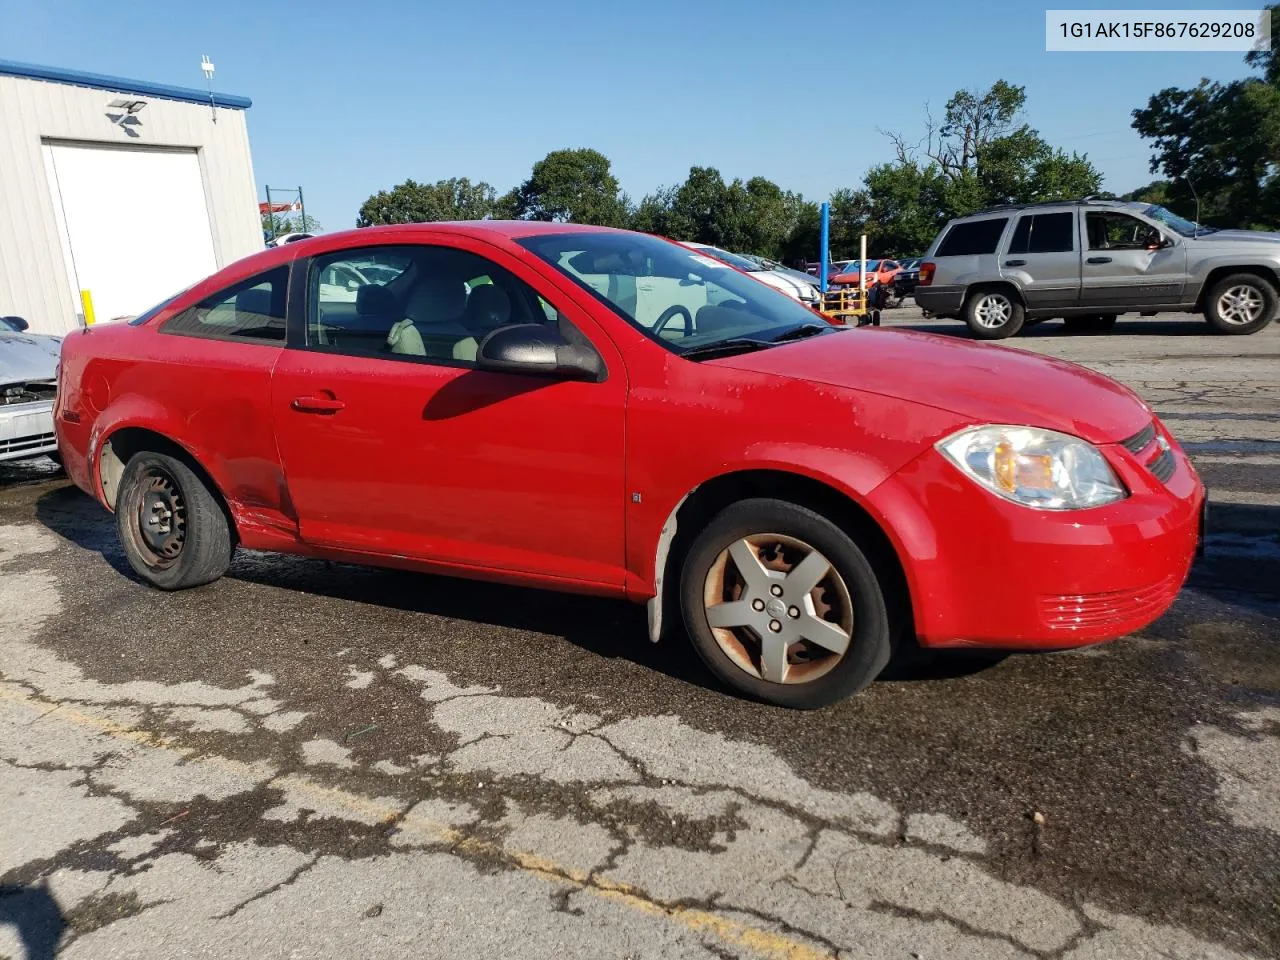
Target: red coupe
<point x="600" y="411"/>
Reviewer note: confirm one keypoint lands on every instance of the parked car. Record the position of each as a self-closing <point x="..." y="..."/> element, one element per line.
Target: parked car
<point x="28" y="382"/>
<point x="796" y="494"/>
<point x="906" y="280"/>
<point x="880" y="272"/>
<point x="1092" y="260"/>
<point x="802" y="278"/>
<point x="802" y="290"/>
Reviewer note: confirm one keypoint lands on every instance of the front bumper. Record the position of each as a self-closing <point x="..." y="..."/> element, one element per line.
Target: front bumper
<point x="985" y="572"/>
<point x="26" y="430"/>
<point x="939" y="300"/>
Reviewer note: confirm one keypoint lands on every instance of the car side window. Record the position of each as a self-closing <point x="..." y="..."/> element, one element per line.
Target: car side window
<point x="252" y="311"/>
<point x="428" y="304"/>
<point x="1044" y="233"/>
<point x="1117" y="231"/>
<point x="973" y="237"/>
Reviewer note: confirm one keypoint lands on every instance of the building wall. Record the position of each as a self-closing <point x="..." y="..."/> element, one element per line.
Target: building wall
<point x="33" y="269"/>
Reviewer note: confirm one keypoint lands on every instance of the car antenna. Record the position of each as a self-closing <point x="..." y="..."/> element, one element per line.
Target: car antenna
<point x="1197" y="196"/>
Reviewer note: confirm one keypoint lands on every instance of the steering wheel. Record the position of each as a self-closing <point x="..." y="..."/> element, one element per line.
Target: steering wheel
<point x="669" y="314"/>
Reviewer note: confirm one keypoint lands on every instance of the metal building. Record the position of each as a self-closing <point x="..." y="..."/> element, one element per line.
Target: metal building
<point x="116" y="193"/>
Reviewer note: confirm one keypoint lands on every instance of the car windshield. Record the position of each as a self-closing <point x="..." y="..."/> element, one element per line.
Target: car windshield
<point x="1175" y="222"/>
<point x="678" y="296"/>
<point x="872" y="266"/>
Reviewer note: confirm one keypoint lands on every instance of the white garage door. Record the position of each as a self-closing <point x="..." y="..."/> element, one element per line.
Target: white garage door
<point x="134" y="224"/>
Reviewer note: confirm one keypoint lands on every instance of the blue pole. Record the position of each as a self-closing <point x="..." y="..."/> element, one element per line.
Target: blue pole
<point x="824" y="252"/>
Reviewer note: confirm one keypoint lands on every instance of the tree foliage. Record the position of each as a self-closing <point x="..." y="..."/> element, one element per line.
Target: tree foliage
<point x="571" y="186"/>
<point x="1221" y="141"/>
<point x="280" y="223"/>
<point x="411" y="202"/>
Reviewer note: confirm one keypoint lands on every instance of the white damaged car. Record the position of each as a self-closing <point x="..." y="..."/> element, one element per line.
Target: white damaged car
<point x="28" y="383"/>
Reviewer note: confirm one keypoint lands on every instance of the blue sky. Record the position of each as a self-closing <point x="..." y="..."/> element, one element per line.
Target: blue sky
<point x="350" y="98"/>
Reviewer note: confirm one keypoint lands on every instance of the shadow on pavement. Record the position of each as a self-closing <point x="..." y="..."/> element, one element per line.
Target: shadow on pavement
<point x="36" y="917"/>
<point x="1056" y="329"/>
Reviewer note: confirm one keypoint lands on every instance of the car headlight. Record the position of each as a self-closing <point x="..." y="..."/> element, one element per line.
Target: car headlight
<point x="1035" y="468"/>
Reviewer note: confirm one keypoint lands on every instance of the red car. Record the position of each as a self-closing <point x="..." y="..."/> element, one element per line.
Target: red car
<point x="606" y="412"/>
<point x="881" y="272"/>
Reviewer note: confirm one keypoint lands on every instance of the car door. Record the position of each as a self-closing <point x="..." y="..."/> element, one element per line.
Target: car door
<point x="1121" y="269"/>
<point x="1043" y="258"/>
<point x="397" y="445"/>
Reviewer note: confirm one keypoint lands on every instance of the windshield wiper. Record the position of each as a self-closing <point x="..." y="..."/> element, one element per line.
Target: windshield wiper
<point x="725" y="348"/>
<point x="802" y="331"/>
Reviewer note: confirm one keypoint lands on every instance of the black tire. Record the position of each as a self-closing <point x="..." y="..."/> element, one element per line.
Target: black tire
<point x="1091" y="323"/>
<point x="1219" y="313"/>
<point x="197" y="544"/>
<point x="870" y="636"/>
<point x="980" y="302"/>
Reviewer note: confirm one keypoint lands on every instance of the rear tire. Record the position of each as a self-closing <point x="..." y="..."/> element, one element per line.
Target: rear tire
<point x="173" y="529"/>
<point x="752" y="564"/>
<point x="993" y="313"/>
<point x="1091" y="323"/>
<point x="1241" y="303"/>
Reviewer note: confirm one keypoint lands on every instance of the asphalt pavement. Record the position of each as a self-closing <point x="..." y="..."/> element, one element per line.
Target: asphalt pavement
<point x="315" y="760"/>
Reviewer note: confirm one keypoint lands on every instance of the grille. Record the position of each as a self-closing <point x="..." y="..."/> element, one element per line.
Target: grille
<point x="1140" y="440"/>
<point x="36" y="441"/>
<point x="1162" y="466"/>
<point x="1091" y="611"/>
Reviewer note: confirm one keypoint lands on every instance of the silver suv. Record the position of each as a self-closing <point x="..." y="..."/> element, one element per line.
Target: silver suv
<point x="1088" y="261"/>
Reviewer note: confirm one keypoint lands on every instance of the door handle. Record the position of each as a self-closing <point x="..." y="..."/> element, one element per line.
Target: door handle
<point x="1015" y="263"/>
<point x="317" y="404"/>
<point x="1098" y="260"/>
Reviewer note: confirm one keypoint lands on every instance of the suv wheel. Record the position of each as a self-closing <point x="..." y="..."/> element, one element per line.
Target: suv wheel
<point x="993" y="314"/>
<point x="1240" y="303"/>
<point x="783" y="606"/>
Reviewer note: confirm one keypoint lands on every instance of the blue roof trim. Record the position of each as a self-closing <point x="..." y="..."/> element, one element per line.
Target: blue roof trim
<point x="31" y="71"/>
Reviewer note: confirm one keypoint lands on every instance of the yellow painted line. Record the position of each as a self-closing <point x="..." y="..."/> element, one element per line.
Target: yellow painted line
<point x="762" y="942"/>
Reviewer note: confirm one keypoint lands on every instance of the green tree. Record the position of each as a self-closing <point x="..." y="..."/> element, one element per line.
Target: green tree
<point x="288" y="223"/>
<point x="411" y="202"/>
<point x="571" y="186"/>
<point x="1221" y="141"/>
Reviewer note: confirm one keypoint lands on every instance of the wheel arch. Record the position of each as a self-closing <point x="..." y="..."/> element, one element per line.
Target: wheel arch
<point x="1006" y="285"/>
<point x="692" y="513"/>
<point x="123" y="443"/>
<point x="1264" y="272"/>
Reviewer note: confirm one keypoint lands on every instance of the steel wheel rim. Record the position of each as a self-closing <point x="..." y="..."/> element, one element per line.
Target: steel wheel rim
<point x="993" y="311"/>
<point x="159" y="519"/>
<point x="1241" y="304"/>
<point x="778" y="609"/>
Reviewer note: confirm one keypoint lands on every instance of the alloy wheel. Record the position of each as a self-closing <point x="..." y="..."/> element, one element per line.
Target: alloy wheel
<point x="1240" y="305"/>
<point x="993" y="311"/>
<point x="778" y="608"/>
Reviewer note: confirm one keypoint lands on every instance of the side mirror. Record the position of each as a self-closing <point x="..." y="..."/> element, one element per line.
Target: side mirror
<point x="1156" y="241"/>
<point x="534" y="350"/>
<point x="16" y="324"/>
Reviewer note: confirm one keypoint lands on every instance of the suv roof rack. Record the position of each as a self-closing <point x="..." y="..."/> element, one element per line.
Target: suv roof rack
<point x="1099" y="201"/>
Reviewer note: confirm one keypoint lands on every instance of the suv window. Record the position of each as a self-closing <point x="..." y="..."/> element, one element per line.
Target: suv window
<point x="1117" y="231"/>
<point x="429" y="303"/>
<point x="252" y="310"/>
<point x="972" y="237"/>
<point x="1044" y="233"/>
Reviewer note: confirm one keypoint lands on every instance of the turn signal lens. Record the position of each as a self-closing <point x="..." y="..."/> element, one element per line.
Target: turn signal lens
<point x="926" y="273"/>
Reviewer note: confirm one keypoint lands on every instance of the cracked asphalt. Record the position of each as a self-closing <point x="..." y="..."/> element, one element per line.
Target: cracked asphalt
<point x="313" y="760"/>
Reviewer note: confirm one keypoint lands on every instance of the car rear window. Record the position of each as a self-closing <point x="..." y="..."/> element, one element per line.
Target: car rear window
<point x="972" y="237"/>
<point x="1044" y="233"/>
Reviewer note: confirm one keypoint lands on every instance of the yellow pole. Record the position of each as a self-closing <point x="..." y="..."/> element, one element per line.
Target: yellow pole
<point x="86" y="301"/>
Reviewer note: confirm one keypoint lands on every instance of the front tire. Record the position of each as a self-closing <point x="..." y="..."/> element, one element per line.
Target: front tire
<point x="783" y="606"/>
<point x="173" y="529"/>
<point x="1241" y="303"/>
<point x="993" y="314"/>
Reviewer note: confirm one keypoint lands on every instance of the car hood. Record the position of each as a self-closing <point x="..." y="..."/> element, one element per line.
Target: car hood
<point x="1239" y="236"/>
<point x="980" y="383"/>
<point x="28" y="356"/>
